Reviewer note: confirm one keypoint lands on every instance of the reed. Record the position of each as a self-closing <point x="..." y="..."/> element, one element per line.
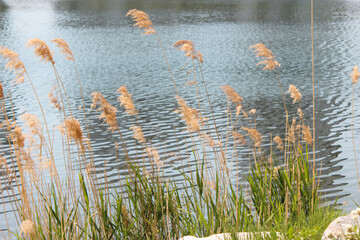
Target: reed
<point x="279" y="193"/>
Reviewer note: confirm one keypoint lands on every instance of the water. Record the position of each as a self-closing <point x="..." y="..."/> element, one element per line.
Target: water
<point x="110" y="53"/>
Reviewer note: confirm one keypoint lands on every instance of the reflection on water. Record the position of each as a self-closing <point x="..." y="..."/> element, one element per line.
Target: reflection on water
<point x="110" y="52"/>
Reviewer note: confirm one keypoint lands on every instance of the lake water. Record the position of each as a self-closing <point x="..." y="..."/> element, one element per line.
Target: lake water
<point x="110" y="52"/>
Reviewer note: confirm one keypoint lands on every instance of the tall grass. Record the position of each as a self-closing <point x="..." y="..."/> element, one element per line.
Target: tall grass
<point x="280" y="194"/>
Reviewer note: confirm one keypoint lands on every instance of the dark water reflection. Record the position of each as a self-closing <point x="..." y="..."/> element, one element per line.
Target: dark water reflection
<point x="111" y="53"/>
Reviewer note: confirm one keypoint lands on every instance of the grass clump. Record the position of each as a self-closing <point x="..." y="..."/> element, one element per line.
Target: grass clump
<point x="281" y="192"/>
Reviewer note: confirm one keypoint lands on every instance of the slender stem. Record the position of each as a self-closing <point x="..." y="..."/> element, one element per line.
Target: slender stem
<point x="352" y="134"/>
<point x="313" y="88"/>
<point x="168" y="65"/>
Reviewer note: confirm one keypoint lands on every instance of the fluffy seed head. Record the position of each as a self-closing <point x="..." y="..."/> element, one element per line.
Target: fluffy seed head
<point x="33" y="122"/>
<point x="126" y="101"/>
<point x="154" y="154"/>
<point x="18" y="137"/>
<point x="268" y="59"/>
<point x="13" y="64"/>
<point x="254" y="135"/>
<point x="192" y="117"/>
<point x="355" y="74"/>
<point x="108" y="112"/>
<point x="27" y="227"/>
<point x="138" y="133"/>
<point x="54" y="100"/>
<point x="1" y="91"/>
<point x="307" y="134"/>
<point x="232" y="95"/>
<point x="41" y="50"/>
<point x="279" y="142"/>
<point x="189" y="48"/>
<point x="294" y="93"/>
<point x="65" y="49"/>
<point x="209" y="140"/>
<point x="73" y="129"/>
<point x="238" y="137"/>
<point x="252" y="111"/>
<point x="142" y="21"/>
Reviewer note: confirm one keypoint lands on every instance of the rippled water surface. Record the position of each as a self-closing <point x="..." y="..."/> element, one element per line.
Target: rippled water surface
<point x="110" y="53"/>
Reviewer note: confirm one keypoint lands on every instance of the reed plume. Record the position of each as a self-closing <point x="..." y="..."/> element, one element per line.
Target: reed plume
<point x="254" y="135"/>
<point x="54" y="100"/>
<point x="189" y="48"/>
<point x="268" y="58"/>
<point x="192" y="117"/>
<point x="292" y="132"/>
<point x="126" y="101"/>
<point x="72" y="127"/>
<point x="1" y="91"/>
<point x="108" y="112"/>
<point x="252" y="111"/>
<point x="41" y="50"/>
<point x="209" y="140"/>
<point x="18" y="137"/>
<point x="138" y="133"/>
<point x="65" y="49"/>
<point x="355" y="74"/>
<point x="27" y="227"/>
<point x="142" y="21"/>
<point x="33" y="122"/>
<point x="154" y="154"/>
<point x="294" y="93"/>
<point x="279" y="143"/>
<point x="13" y="64"/>
<point x="232" y="95"/>
<point x="238" y="137"/>
<point x="307" y="134"/>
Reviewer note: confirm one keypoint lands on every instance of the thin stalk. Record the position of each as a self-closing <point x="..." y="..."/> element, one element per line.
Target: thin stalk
<point x="168" y="65"/>
<point x="313" y="89"/>
<point x="352" y="134"/>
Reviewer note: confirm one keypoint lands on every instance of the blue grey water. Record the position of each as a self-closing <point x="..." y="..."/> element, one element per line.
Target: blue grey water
<point x="110" y="52"/>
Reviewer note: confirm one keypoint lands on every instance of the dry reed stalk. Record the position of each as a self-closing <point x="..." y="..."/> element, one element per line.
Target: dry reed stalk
<point x="313" y="91"/>
<point x="15" y="64"/>
<point x="142" y="20"/>
<point x="354" y="79"/>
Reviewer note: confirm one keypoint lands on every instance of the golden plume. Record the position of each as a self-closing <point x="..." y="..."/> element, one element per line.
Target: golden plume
<point x="232" y="95"/>
<point x="13" y="64"/>
<point x="65" y="49"/>
<point x="355" y="74"/>
<point x="126" y="101"/>
<point x="141" y="20"/>
<point x="189" y="48"/>
<point x="192" y="117"/>
<point x="294" y="93"/>
<point x="108" y="112"/>
<point x="41" y="50"/>
<point x="268" y="59"/>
